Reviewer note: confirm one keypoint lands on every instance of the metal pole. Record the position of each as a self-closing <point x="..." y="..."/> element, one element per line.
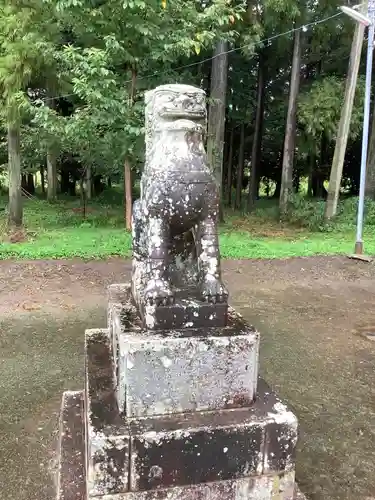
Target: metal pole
<point x="366" y="123"/>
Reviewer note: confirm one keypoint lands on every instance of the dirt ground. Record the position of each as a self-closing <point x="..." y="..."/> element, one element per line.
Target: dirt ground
<point x="306" y="309"/>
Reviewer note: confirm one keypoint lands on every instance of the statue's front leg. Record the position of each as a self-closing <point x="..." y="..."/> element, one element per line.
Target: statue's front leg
<point x="157" y="288"/>
<point x="207" y="241"/>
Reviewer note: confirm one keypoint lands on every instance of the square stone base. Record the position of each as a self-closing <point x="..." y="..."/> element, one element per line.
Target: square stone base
<point x="185" y="450"/>
<point x="71" y="474"/>
<point x="161" y="375"/>
<point x="182" y="369"/>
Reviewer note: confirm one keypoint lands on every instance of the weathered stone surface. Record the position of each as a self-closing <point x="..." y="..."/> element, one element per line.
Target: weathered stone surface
<point x="122" y="315"/>
<point x="185" y="312"/>
<point x="161" y="375"/>
<point x="184" y="449"/>
<point x="185" y="370"/>
<point x="72" y="479"/>
<point x="107" y="445"/>
<point x="298" y="495"/>
<point x="280" y="443"/>
<point x="119" y="293"/>
<point x="274" y="487"/>
<point x="175" y="239"/>
<point x="71" y="484"/>
<point x="203" y="447"/>
<point x="182" y="452"/>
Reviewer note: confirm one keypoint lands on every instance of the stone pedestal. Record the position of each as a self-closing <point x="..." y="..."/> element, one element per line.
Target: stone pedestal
<point x="176" y="415"/>
<point x="181" y="370"/>
<point x="173" y="408"/>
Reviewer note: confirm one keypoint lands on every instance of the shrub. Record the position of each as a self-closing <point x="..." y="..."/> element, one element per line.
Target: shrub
<point x="308" y="213"/>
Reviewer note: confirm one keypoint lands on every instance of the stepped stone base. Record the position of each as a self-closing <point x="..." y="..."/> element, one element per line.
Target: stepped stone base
<point x="117" y="444"/>
<point x="72" y="472"/>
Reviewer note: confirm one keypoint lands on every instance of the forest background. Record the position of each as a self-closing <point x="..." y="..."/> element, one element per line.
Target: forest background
<point x="72" y="79"/>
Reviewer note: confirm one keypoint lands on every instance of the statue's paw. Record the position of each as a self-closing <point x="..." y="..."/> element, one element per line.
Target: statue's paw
<point x="214" y="291"/>
<point x="159" y="293"/>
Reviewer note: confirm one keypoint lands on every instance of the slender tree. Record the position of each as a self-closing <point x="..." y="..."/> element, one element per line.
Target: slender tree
<point x="257" y="139"/>
<point x="216" y="113"/>
<point x="15" y="209"/>
<point x="290" y="130"/>
<point x="51" y="149"/>
<point x="241" y="159"/>
<point x="230" y="168"/>
<point x="127" y="167"/>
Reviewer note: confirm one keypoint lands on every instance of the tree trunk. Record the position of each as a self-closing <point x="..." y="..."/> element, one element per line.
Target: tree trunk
<point x="128" y="195"/>
<point x="276" y="194"/>
<point x="23" y="182"/>
<point x="88" y="183"/>
<point x="230" y="166"/>
<point x="318" y="188"/>
<point x="65" y="181"/>
<point x="241" y="155"/>
<point x="290" y="131"/>
<point x="42" y="181"/>
<point x="98" y="185"/>
<point x="14" y="170"/>
<point x="312" y="165"/>
<point x="277" y="178"/>
<point x="72" y="187"/>
<point x="344" y="125"/>
<point x="127" y="168"/>
<point x="257" y="140"/>
<point x="30" y="184"/>
<point x="216" y="114"/>
<point x="51" y="152"/>
<point x="83" y="195"/>
<point x="109" y="182"/>
<point x="51" y="175"/>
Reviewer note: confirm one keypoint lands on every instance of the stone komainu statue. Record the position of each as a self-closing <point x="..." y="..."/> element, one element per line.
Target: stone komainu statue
<point x="175" y="240"/>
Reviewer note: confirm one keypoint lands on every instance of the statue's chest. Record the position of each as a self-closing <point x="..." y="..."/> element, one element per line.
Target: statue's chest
<point x="181" y="195"/>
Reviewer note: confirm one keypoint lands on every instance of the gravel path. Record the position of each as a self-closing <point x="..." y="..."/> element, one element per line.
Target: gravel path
<point x="306" y="309"/>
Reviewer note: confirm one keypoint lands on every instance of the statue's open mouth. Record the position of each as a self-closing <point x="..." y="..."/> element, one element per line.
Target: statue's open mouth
<point x="198" y="114"/>
<point x="184" y="122"/>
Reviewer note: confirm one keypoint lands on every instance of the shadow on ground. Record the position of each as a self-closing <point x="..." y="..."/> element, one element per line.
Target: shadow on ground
<point x="306" y="310"/>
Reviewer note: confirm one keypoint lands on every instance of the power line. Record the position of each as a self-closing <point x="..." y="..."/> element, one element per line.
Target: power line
<point x="303" y="27"/>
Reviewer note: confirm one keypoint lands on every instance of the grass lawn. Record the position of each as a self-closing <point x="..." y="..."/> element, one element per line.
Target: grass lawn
<point x="59" y="231"/>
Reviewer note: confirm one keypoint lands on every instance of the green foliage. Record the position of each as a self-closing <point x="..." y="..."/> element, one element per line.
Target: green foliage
<point x="320" y="107"/>
<point x="347" y="213"/>
<point x="114" y="46"/>
<point x="307" y="213"/>
<point x="60" y="231"/>
<point x="27" y="37"/>
<point x="102" y="56"/>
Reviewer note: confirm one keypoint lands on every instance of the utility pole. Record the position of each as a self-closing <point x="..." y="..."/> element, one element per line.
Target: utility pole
<point x="344" y="125"/>
<point x="358" y="250"/>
